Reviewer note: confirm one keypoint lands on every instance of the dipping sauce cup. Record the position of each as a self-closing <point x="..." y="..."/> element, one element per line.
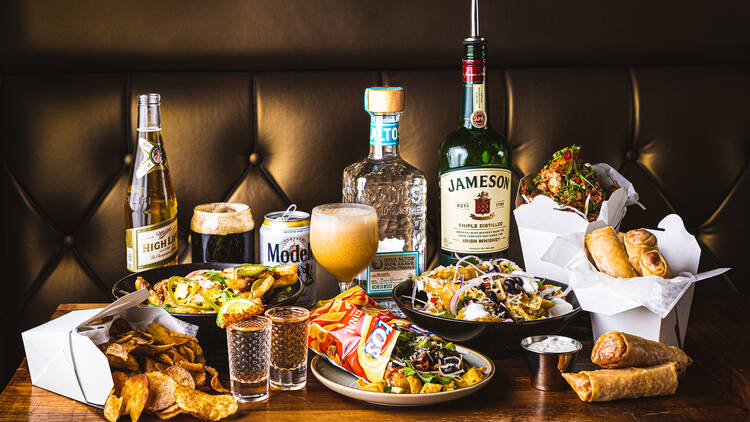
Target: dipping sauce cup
<point x="548" y="356"/>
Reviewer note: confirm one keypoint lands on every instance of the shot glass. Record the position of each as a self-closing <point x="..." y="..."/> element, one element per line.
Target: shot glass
<point x="288" y="347"/>
<point x="249" y="347"/>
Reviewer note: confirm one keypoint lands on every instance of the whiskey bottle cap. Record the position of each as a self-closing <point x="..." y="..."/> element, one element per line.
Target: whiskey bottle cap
<point x="384" y="99"/>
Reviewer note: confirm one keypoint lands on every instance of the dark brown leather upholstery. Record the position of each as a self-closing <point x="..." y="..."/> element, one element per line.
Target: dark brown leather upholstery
<point x="660" y="91"/>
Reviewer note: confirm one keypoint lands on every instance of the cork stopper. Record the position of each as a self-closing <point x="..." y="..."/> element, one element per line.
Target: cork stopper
<point x="383" y="99"/>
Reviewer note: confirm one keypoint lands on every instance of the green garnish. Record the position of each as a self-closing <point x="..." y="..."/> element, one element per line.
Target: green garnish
<point x="447" y="314"/>
<point x="450" y="346"/>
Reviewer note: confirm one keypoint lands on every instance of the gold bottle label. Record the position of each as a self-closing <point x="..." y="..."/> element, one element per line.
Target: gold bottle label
<point x="151" y="246"/>
<point x="154" y="158"/>
<point x="475" y="210"/>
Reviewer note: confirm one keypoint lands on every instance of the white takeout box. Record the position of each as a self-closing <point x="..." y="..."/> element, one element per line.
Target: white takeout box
<point x="651" y="307"/>
<point x="63" y="355"/>
<point x="542" y="220"/>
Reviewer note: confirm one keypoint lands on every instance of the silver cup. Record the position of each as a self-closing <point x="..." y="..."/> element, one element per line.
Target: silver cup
<point x="546" y="366"/>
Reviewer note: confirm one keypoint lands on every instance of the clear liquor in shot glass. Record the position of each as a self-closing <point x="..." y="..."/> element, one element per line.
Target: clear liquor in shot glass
<point x="249" y="346"/>
<point x="288" y="347"/>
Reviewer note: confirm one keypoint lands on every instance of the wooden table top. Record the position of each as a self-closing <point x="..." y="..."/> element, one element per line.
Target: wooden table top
<point x="716" y="387"/>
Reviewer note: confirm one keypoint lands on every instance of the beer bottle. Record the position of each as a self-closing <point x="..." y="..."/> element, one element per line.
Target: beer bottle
<point x="150" y="203"/>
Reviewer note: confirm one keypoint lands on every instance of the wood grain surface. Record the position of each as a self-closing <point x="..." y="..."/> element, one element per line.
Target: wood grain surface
<point x="716" y="388"/>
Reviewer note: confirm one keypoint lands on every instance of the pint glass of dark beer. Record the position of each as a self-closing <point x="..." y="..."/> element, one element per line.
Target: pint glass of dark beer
<point x="222" y="232"/>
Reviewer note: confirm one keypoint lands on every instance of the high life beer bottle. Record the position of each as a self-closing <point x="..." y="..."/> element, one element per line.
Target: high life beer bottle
<point x="150" y="203"/>
<point x="474" y="164"/>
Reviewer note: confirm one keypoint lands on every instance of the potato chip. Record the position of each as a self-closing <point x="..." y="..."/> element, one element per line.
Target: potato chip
<point x="112" y="407"/>
<point x="160" y="391"/>
<point x="199" y="377"/>
<point x="164" y="358"/>
<point x="187" y="352"/>
<point x="135" y="395"/>
<point x="169" y="412"/>
<point x="192" y="367"/>
<point x="205" y="406"/>
<point x="180" y="375"/>
<point x="215" y="383"/>
<point x="120" y="350"/>
<point x="124" y="337"/>
<point x="130" y="364"/>
<point x="164" y="335"/>
<point x="118" y="380"/>
<point x="149" y="365"/>
<point x="119" y="326"/>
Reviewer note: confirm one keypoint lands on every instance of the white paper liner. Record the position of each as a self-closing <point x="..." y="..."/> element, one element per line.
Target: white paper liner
<point x="601" y="293"/>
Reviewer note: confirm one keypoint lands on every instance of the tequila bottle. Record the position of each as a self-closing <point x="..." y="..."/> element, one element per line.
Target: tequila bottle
<point x="474" y="164"/>
<point x="398" y="192"/>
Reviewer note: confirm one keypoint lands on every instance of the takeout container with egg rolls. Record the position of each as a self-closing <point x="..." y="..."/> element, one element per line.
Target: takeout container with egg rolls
<point x="542" y="219"/>
<point x="653" y="307"/>
<point x="63" y="356"/>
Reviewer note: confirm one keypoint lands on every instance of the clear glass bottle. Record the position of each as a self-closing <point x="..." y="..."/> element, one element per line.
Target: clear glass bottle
<point x="397" y="190"/>
<point x="150" y="203"/>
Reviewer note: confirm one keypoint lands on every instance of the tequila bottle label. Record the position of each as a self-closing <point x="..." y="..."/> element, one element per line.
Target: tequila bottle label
<point x="151" y="246"/>
<point x="475" y="210"/>
<point x="384" y="134"/>
<point x="390" y="268"/>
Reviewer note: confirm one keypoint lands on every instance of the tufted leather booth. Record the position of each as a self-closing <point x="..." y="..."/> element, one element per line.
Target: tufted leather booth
<point x="262" y="103"/>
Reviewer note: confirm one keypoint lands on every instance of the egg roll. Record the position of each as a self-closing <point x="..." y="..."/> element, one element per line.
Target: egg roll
<point x="653" y="263"/>
<point x="629" y="383"/>
<point x="609" y="253"/>
<point x="614" y="349"/>
<point x="621" y="236"/>
<point x="638" y="242"/>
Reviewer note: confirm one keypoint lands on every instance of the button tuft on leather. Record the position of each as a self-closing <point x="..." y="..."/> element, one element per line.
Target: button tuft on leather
<point x="255" y="158"/>
<point x="632" y="154"/>
<point x="68" y="240"/>
<point x="128" y="159"/>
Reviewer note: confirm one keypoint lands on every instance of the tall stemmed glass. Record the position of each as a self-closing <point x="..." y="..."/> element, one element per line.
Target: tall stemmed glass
<point x="344" y="239"/>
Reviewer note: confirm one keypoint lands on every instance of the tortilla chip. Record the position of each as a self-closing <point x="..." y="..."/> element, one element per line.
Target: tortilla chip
<point x="180" y="375"/>
<point x="160" y="391"/>
<point x="135" y="395"/>
<point x="215" y="383"/>
<point x="205" y="406"/>
<point x="112" y="407"/>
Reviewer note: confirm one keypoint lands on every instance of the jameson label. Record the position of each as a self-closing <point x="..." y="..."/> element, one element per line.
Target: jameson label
<point x="151" y="246"/>
<point x="383" y="133"/>
<point x="475" y="210"/>
<point x="390" y="268"/>
<point x="154" y="158"/>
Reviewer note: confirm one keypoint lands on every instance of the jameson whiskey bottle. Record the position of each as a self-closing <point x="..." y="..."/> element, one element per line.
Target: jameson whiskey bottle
<point x="398" y="192"/>
<point x="474" y="169"/>
<point x="150" y="203"/>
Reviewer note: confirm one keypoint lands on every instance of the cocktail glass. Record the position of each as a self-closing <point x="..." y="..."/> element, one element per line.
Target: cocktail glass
<point x="344" y="239"/>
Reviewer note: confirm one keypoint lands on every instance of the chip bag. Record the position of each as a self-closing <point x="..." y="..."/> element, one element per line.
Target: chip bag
<point x="355" y="333"/>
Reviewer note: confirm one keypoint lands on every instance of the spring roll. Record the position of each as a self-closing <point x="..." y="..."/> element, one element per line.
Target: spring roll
<point x="629" y="383"/>
<point x="653" y="263"/>
<point x="614" y="349"/>
<point x="638" y="242"/>
<point x="608" y="253"/>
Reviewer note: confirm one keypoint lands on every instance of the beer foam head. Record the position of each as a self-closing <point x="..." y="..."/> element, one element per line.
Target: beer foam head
<point x="345" y="211"/>
<point x="222" y="218"/>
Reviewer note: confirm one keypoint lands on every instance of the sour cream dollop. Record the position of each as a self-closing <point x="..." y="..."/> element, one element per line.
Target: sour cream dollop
<point x="474" y="311"/>
<point x="561" y="307"/>
<point x="553" y="345"/>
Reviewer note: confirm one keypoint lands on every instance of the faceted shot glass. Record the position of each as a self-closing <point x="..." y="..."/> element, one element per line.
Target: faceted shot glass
<point x="288" y="347"/>
<point x="249" y="347"/>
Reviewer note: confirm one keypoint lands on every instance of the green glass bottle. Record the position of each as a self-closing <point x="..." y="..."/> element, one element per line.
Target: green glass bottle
<point x="475" y="176"/>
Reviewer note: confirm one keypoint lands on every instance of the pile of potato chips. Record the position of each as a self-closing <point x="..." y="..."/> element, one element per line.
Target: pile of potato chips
<point x="163" y="373"/>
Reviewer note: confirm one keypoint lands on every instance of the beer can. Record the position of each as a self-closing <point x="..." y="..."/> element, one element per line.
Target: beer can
<point x="285" y="239"/>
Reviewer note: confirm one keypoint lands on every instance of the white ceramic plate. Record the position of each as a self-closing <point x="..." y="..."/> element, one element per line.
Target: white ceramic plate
<point x="345" y="383"/>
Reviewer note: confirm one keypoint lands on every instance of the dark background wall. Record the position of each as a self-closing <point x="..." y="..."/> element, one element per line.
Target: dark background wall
<point x="660" y="90"/>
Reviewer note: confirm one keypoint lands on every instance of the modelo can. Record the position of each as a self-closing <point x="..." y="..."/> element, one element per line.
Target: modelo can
<point x="285" y="239"/>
